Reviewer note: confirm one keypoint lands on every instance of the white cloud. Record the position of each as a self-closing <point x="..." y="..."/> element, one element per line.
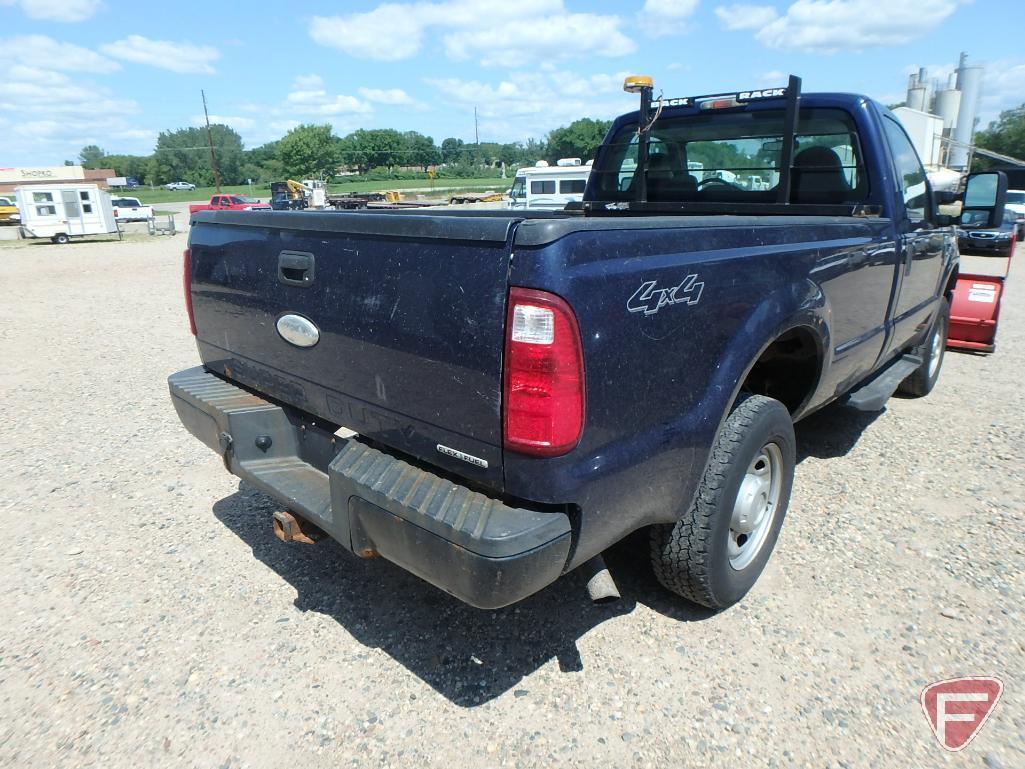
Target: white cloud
<point x="181" y="57"/>
<point x="745" y="16"/>
<point x="659" y="18"/>
<point x="68" y="11"/>
<point x="526" y="105"/>
<point x="828" y="26"/>
<point x="773" y="77"/>
<point x="387" y="33"/>
<point x="392" y="97"/>
<point x="234" y="121"/>
<point x="1001" y="89"/>
<point x="496" y="32"/>
<point x="52" y="54"/>
<point x="49" y="116"/>
<point x="307" y="83"/>
<point x="310" y="97"/>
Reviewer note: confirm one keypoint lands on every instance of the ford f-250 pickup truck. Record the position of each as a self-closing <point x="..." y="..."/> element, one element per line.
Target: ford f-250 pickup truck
<point x="490" y="399"/>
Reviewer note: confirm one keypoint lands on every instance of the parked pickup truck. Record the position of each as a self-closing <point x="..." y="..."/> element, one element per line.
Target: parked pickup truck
<point x="230" y="203"/>
<point x="490" y="399"/>
<point x="131" y="210"/>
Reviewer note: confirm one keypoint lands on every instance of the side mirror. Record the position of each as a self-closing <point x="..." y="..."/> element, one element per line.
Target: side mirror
<point x="984" y="198"/>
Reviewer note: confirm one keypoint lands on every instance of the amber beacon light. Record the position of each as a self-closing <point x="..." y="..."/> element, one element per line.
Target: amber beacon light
<point x="637" y="83"/>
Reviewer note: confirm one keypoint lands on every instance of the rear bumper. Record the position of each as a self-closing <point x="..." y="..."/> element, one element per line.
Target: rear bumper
<point x="479" y="549"/>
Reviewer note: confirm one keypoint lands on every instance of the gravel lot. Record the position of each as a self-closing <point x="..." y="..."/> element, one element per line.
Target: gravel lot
<point x="151" y="618"/>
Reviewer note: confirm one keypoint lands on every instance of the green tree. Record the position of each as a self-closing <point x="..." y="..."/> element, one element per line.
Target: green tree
<point x="262" y="164"/>
<point x="184" y="155"/>
<point x="580" y="139"/>
<point x="420" y="150"/>
<point x="364" y="149"/>
<point x="128" y="165"/>
<point x="452" y="151"/>
<point x="91" y="156"/>
<point x="309" y="152"/>
<point x="1005" y="135"/>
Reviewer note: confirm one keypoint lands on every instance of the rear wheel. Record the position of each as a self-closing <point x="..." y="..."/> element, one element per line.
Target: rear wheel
<point x="924" y="378"/>
<point x="61" y="238"/>
<point x="716" y="551"/>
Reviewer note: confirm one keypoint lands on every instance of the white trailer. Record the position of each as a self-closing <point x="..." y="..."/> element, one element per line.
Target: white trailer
<point x="62" y="211"/>
<point x="549" y="187"/>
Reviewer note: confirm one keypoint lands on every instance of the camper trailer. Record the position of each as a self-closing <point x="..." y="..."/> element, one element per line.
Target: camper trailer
<point x="549" y="187"/>
<point x="62" y="211"/>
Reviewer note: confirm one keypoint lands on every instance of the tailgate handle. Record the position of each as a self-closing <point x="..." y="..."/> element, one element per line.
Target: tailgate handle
<point x="295" y="268"/>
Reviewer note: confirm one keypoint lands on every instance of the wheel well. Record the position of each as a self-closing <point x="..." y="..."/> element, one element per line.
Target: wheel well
<point x="787" y="370"/>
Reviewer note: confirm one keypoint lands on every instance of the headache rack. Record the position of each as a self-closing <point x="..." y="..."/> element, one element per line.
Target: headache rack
<point x="781" y="206"/>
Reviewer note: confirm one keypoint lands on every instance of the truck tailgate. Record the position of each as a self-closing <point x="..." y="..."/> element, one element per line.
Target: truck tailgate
<point x="410" y="311"/>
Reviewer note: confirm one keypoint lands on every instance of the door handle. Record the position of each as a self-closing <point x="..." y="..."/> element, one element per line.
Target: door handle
<point x="296" y="268"/>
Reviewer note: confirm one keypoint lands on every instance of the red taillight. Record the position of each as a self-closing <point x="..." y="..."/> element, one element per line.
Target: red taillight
<point x="187" y="285"/>
<point x="544" y="375"/>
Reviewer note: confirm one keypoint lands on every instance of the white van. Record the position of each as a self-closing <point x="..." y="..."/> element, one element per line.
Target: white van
<point x="61" y="211"/>
<point x="549" y="187"/>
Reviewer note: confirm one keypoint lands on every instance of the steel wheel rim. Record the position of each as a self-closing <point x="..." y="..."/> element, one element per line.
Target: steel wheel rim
<point x="755" y="506"/>
<point x="936" y="352"/>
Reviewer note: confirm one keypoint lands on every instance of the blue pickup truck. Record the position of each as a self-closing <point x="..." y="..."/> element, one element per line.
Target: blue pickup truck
<point x="491" y="399"/>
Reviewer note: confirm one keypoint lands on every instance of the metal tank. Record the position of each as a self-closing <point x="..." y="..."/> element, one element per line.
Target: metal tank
<point x="969" y="83"/>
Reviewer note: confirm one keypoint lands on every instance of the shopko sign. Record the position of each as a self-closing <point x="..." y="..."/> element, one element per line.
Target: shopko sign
<point x="41" y="174"/>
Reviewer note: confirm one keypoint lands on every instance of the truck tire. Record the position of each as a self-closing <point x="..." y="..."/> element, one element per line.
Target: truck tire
<point x="60" y="239"/>
<point x="923" y="379"/>
<point x="715" y="552"/>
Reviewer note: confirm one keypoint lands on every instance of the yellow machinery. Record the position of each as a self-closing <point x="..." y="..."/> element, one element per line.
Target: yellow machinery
<point x="8" y="212"/>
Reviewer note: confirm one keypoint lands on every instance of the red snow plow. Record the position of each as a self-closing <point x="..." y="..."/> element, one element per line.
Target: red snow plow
<point x="975" y="311"/>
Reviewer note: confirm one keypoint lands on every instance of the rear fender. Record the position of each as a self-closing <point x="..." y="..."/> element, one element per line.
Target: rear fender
<point x="798" y="305"/>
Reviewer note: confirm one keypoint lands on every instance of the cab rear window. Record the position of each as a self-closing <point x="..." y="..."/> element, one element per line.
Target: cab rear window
<point x="736" y="156"/>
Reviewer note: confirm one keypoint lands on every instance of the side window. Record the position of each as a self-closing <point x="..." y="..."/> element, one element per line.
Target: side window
<point x="543" y="187"/>
<point x="46" y="211"/>
<point x="910" y="174"/>
<point x="571" y="186"/>
<point x="42" y="197"/>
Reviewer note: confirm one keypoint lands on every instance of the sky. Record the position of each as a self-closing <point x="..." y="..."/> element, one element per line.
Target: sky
<point x="78" y="72"/>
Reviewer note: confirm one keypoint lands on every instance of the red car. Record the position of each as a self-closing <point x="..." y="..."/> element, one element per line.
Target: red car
<point x="230" y="203"/>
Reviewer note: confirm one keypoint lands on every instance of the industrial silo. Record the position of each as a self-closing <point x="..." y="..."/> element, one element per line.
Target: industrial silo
<point x="948" y="101"/>
<point x="916" y="95"/>
<point x="969" y="83"/>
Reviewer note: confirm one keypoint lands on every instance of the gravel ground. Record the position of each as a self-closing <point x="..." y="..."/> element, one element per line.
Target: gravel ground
<point x="151" y="618"/>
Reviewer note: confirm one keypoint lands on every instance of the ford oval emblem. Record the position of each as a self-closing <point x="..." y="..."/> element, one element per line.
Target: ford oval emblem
<point x="297" y="330"/>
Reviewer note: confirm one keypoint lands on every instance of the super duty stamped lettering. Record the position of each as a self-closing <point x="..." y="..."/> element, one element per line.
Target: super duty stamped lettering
<point x="649" y="300"/>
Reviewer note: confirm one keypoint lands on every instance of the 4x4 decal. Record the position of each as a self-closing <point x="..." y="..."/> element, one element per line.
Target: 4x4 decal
<point x="649" y="300"/>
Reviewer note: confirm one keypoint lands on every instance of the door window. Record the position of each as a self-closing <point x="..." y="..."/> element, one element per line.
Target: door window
<point x="71" y="207"/>
<point x="910" y="174"/>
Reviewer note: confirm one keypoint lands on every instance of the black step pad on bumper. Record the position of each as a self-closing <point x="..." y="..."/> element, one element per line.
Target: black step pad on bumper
<point x="478" y="548"/>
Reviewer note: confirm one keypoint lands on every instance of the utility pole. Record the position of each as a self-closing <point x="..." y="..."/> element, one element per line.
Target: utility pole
<point x="210" y="141"/>
<point x="476" y="130"/>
